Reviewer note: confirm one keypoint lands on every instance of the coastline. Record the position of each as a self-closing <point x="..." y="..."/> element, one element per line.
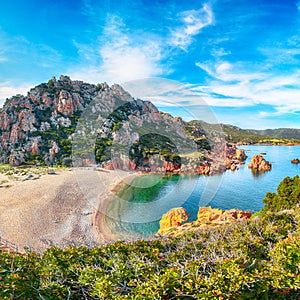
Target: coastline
<point x="100" y="218"/>
<point x="267" y="144"/>
<point x="66" y="208"/>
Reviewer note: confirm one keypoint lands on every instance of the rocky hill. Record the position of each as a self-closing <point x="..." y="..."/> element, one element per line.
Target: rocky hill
<point x="66" y="122"/>
<point x="42" y="127"/>
<point x="37" y="127"/>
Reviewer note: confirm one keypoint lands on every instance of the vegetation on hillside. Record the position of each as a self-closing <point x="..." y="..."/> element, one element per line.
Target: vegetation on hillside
<point x="288" y="133"/>
<point x="234" y="134"/>
<point x="255" y="259"/>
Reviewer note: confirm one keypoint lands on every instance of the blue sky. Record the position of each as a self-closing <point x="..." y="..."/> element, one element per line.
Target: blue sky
<point x="240" y="58"/>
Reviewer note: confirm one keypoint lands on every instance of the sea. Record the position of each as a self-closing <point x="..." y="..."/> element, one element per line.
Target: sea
<point x="138" y="206"/>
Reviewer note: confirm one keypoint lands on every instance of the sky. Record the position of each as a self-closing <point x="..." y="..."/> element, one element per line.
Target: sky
<point x="239" y="58"/>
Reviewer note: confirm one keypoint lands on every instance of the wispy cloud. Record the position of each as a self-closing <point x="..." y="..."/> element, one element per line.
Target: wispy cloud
<point x="3" y="56"/>
<point x="24" y="59"/>
<point x="193" y="21"/>
<point x="230" y="72"/>
<point x="119" y="55"/>
<point x="239" y="84"/>
<point x="181" y="98"/>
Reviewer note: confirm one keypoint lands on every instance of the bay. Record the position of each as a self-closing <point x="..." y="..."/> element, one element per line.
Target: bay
<point x="244" y="189"/>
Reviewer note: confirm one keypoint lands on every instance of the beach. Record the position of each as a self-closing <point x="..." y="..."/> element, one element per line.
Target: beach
<point x="58" y="209"/>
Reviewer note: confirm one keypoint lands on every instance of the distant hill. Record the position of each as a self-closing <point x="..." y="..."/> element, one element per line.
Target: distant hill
<point x="234" y="134"/>
<point x="286" y="133"/>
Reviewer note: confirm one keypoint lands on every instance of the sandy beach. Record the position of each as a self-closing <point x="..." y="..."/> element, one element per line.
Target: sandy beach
<point x="59" y="209"/>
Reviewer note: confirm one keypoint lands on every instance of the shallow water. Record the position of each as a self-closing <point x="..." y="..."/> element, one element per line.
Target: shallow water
<point x="139" y="206"/>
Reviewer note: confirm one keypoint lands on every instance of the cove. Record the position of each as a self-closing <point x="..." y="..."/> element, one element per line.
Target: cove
<point x="137" y="207"/>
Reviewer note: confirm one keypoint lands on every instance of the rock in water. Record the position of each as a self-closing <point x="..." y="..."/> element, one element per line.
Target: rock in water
<point x="259" y="163"/>
<point x="295" y="161"/>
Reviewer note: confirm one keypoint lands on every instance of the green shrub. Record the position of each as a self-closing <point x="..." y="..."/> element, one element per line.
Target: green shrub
<point x="287" y="197"/>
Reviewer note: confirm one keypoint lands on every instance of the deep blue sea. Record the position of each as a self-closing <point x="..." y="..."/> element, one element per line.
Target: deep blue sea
<point x="140" y="208"/>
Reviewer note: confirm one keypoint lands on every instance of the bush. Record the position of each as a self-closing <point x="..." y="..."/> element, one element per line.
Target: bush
<point x="287" y="197"/>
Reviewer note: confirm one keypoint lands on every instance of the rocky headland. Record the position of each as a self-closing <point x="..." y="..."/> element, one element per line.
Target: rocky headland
<point x="172" y="223"/>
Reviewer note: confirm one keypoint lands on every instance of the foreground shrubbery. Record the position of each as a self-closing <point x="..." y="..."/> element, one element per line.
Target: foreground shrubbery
<point x="257" y="259"/>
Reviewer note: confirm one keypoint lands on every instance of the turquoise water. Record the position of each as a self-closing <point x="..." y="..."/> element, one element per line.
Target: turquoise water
<point x="140" y="210"/>
<point x="245" y="189"/>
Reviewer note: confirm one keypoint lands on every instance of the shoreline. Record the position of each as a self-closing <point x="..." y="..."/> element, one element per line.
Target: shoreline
<point x="267" y="144"/>
<point x="100" y="224"/>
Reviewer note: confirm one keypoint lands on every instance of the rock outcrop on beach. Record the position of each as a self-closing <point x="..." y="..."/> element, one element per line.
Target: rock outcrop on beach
<point x="171" y="222"/>
<point x="224" y="156"/>
<point x="259" y="163"/>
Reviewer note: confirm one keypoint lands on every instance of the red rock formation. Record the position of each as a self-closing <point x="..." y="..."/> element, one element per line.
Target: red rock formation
<point x="170" y="166"/>
<point x="295" y="161"/>
<point x="16" y="158"/>
<point x="241" y="155"/>
<point x="205" y="169"/>
<point x="47" y="100"/>
<point x="259" y="163"/>
<point x="171" y="222"/>
<point x="4" y="121"/>
<point x="35" y="147"/>
<point x="174" y="217"/>
<point x="215" y="215"/>
<point x="53" y="150"/>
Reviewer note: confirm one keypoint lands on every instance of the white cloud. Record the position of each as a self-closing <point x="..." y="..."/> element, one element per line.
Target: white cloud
<point x="193" y="21"/>
<point x="119" y="56"/>
<point x="3" y="56"/>
<point x="281" y="55"/>
<point x="223" y="67"/>
<point x="239" y="84"/>
<point x="168" y="93"/>
<point x="219" y="52"/>
<point x="225" y="71"/>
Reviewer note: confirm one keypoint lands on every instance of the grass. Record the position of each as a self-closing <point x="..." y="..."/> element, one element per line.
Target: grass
<point x="22" y="173"/>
